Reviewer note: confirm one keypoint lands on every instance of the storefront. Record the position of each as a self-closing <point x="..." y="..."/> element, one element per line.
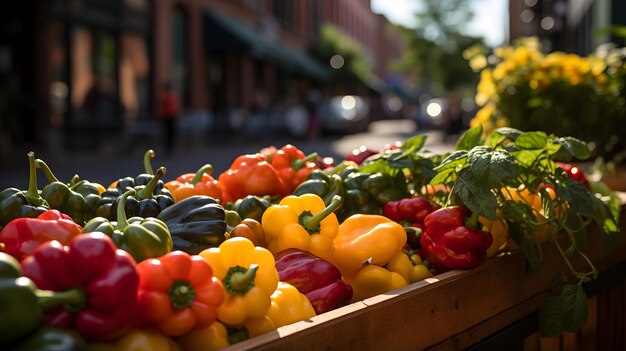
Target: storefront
<point x="98" y="77"/>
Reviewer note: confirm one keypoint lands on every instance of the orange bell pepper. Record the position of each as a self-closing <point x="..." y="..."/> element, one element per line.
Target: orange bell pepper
<point x="178" y="293"/>
<point x="541" y="229"/>
<point x="366" y="238"/>
<point x="251" y="175"/>
<point x="293" y="166"/>
<point x="200" y="183"/>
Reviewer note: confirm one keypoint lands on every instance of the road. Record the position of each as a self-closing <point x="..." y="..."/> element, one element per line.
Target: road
<point x="191" y="153"/>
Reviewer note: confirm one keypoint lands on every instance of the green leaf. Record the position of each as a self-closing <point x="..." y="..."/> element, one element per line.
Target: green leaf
<point x="573" y="307"/>
<point x="415" y="142"/>
<point x="510" y="133"/>
<point x="457" y="158"/>
<point x="398" y="162"/>
<point x="476" y="197"/>
<point x="564" y="313"/>
<point x="490" y="167"/>
<point x="577" y="196"/>
<point x="607" y="219"/>
<point x="532" y="141"/>
<point x="527" y="157"/>
<point x="574" y="147"/>
<point x="376" y="166"/>
<point x="470" y="138"/>
<point x="443" y="177"/>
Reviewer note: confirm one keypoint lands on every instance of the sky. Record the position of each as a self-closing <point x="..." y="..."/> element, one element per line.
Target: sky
<point x="490" y="17"/>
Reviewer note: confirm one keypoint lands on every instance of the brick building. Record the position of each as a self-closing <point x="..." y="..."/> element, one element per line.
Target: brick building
<point x="92" y="68"/>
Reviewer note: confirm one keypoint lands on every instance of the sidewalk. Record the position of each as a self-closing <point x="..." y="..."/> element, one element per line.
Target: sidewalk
<point x="109" y="163"/>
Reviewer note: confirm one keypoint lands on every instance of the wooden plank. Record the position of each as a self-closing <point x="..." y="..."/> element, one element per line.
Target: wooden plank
<point x="464" y="306"/>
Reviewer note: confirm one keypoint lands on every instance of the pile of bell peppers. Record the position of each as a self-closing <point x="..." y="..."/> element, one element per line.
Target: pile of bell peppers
<point x="203" y="263"/>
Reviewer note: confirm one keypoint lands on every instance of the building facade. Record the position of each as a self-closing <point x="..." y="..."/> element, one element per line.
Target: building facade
<point x="576" y="26"/>
<point x="89" y="69"/>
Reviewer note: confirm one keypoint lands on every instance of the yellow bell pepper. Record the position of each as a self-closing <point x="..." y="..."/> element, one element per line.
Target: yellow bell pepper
<point x="217" y="336"/>
<point x="302" y="222"/>
<point x="138" y="340"/>
<point x="362" y="238"/>
<point x="289" y="306"/>
<point x="249" y="279"/>
<point x="498" y="230"/>
<point x="374" y="280"/>
<point x="409" y="265"/>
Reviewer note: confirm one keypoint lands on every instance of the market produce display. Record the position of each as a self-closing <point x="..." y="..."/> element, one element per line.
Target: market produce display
<point x="201" y="262"/>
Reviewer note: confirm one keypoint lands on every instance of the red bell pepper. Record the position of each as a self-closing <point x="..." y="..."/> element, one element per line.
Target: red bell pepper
<point x="103" y="279"/>
<point x="22" y="236"/>
<point x="251" y="175"/>
<point x="574" y="173"/>
<point x="360" y="154"/>
<point x="449" y="244"/>
<point x="178" y="293"/>
<point x="411" y="211"/>
<point x="293" y="166"/>
<point x="319" y="280"/>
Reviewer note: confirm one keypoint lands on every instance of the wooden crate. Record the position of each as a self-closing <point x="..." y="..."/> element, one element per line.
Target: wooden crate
<point x="451" y="311"/>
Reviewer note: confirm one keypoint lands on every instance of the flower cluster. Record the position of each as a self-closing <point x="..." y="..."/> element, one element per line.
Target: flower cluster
<point x="560" y="93"/>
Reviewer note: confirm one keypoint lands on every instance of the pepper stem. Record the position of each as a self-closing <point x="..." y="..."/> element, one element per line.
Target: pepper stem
<point x="181" y="294"/>
<point x="122" y="221"/>
<point x="146" y="161"/>
<point x="299" y="163"/>
<point x="32" y="194"/>
<point x="208" y="169"/>
<point x="239" y="280"/>
<point x="46" y="170"/>
<point x="312" y="222"/>
<point x="472" y="221"/>
<point x="146" y="193"/>
<point x="75" y="179"/>
<point x="73" y="299"/>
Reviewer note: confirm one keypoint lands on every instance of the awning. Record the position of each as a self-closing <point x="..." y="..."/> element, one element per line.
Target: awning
<point x="223" y="33"/>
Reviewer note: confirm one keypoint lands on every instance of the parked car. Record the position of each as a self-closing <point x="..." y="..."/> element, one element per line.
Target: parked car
<point x="431" y="114"/>
<point x="344" y="114"/>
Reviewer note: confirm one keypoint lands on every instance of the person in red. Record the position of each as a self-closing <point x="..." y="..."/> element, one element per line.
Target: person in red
<point x="170" y="109"/>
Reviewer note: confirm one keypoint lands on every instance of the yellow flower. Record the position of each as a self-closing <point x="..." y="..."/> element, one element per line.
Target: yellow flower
<point x="486" y="88"/>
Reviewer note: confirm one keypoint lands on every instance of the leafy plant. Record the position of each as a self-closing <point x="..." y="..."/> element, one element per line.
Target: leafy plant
<point x="505" y="173"/>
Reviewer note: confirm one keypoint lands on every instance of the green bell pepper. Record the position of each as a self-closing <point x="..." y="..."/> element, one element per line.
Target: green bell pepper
<point x="148" y="201"/>
<point x="382" y="188"/>
<point x="324" y="185"/>
<point x="251" y="206"/>
<point x="21" y="303"/>
<point x="79" y="201"/>
<point x="52" y="339"/>
<point x="195" y="223"/>
<point x="15" y="203"/>
<point x="142" y="237"/>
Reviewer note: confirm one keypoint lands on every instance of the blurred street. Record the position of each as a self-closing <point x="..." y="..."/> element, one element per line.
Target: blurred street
<point x="189" y="154"/>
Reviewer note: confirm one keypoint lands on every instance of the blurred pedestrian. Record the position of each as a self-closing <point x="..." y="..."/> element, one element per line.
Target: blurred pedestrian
<point x="170" y="110"/>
